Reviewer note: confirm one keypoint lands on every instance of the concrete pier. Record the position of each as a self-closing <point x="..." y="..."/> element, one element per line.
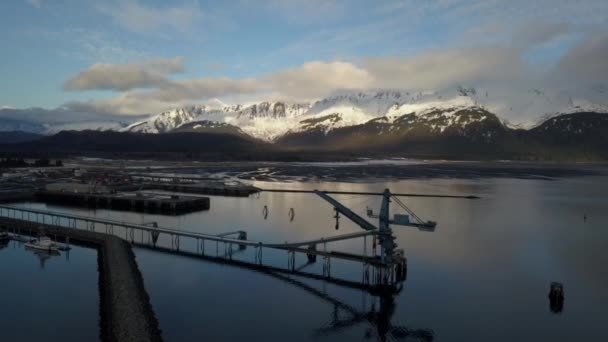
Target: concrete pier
<point x="125" y="309"/>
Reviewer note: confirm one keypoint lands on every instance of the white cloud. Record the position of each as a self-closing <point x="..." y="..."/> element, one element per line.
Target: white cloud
<point x="35" y="3"/>
<point x="201" y="89"/>
<point x="125" y="104"/>
<point x="87" y="45"/>
<point x="126" y="76"/>
<point x="136" y="17"/>
<point x="316" y="79"/>
<point x="313" y="80"/>
<point x="538" y="32"/>
<point x="588" y="63"/>
<point x="502" y="71"/>
<point x="446" y="68"/>
<point x="307" y="11"/>
<point x="478" y="43"/>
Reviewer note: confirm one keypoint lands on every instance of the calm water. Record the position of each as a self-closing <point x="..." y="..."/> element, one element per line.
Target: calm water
<point x="484" y="274"/>
<point x="48" y="298"/>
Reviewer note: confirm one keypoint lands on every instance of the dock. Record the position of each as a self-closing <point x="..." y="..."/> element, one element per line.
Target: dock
<point x="125" y="310"/>
<point x="217" y="189"/>
<point x="192" y="185"/>
<point x="376" y="273"/>
<point x="165" y="204"/>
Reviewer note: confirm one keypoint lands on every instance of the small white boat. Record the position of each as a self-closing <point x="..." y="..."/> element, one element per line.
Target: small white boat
<point x="43" y="243"/>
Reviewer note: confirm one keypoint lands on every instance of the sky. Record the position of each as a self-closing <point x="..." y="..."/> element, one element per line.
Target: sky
<point x="75" y="58"/>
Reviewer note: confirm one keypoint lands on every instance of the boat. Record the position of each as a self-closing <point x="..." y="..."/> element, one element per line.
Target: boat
<point x="43" y="243"/>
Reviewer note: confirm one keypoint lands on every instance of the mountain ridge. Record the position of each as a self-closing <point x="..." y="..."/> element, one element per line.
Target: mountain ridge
<point x="479" y="136"/>
<point x="270" y="121"/>
<point x="390" y="122"/>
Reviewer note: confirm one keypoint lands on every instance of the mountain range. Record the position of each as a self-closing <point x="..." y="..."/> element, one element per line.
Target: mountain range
<point x="390" y="123"/>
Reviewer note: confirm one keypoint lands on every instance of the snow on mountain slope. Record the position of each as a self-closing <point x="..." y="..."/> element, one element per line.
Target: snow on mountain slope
<point x="213" y="110"/>
<point x="332" y="118"/>
<point x="579" y="106"/>
<point x="446" y="107"/>
<point x="271" y="120"/>
<point x="373" y="103"/>
<point x="265" y="120"/>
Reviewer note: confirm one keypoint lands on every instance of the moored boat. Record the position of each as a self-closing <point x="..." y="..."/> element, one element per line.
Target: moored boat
<point x="43" y="243"/>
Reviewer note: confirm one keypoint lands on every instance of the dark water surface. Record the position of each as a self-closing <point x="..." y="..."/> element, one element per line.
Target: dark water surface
<point x="48" y="298"/>
<point x="483" y="275"/>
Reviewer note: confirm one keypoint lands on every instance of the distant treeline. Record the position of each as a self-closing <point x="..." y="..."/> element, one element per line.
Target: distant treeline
<point x="20" y="162"/>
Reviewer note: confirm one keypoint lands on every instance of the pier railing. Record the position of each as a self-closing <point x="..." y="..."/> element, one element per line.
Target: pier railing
<point x="375" y="272"/>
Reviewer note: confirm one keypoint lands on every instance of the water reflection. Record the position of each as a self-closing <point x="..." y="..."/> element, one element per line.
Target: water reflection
<point x="47" y="297"/>
<point x="378" y="318"/>
<point x="380" y="321"/>
<point x="43" y="256"/>
<point x="485" y="270"/>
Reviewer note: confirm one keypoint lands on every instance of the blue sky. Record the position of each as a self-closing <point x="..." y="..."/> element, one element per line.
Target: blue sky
<point x="75" y="54"/>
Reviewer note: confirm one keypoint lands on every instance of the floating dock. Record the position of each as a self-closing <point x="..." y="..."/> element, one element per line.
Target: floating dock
<point x="217" y="189"/>
<point x="164" y="204"/>
<point x="203" y="188"/>
<point x="125" y="309"/>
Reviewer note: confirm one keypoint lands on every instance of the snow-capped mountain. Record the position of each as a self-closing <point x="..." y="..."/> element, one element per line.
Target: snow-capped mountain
<point x="460" y="124"/>
<point x="166" y="121"/>
<point x="457" y="117"/>
<point x="264" y="120"/>
<point x="272" y="120"/>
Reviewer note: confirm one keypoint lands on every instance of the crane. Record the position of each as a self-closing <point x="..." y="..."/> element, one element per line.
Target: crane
<point x="386" y="237"/>
<point x="402" y="220"/>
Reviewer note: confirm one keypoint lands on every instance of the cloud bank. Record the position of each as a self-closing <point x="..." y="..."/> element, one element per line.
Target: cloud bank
<point x="123" y="77"/>
<point x="502" y="70"/>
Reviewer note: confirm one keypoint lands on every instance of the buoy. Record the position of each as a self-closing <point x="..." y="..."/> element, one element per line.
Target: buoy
<point x="556" y="297"/>
<point x="265" y="212"/>
<point x="337" y="217"/>
<point x="291" y="214"/>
